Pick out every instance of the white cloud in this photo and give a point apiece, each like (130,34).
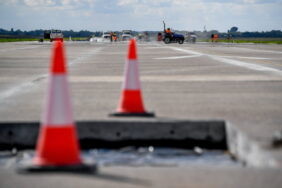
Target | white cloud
(127,2)
(36,3)
(46,3)
(144,14)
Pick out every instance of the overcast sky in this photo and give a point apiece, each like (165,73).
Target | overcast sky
(94,15)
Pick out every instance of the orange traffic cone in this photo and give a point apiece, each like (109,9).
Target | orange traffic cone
(131,103)
(57,143)
(57,146)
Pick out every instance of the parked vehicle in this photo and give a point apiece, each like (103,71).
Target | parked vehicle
(126,35)
(54,35)
(191,37)
(106,37)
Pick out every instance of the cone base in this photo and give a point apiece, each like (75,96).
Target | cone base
(127,114)
(79,168)
(131,102)
(57,146)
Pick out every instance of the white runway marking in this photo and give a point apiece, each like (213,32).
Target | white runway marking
(180,78)
(23,48)
(155,47)
(27,85)
(10,92)
(243,57)
(232,62)
(266,51)
(240,57)
(246,65)
(186,51)
(178,57)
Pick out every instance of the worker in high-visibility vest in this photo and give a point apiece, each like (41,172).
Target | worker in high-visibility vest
(115,37)
(215,37)
(168,31)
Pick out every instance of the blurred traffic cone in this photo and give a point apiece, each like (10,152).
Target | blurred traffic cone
(57,146)
(57,143)
(131,103)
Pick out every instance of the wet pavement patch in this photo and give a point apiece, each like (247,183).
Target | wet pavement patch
(156,156)
(136,156)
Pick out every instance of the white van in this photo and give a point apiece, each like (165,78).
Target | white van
(126,35)
(56,35)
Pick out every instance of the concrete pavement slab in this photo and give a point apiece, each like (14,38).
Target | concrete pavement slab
(205,82)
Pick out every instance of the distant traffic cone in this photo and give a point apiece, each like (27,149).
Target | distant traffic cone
(131,103)
(57,147)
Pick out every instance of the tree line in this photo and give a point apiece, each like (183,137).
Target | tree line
(85,33)
(267,34)
(40,33)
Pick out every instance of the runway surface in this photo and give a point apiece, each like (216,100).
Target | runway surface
(241,84)
(238,83)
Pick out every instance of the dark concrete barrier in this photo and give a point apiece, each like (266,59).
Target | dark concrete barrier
(116,134)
